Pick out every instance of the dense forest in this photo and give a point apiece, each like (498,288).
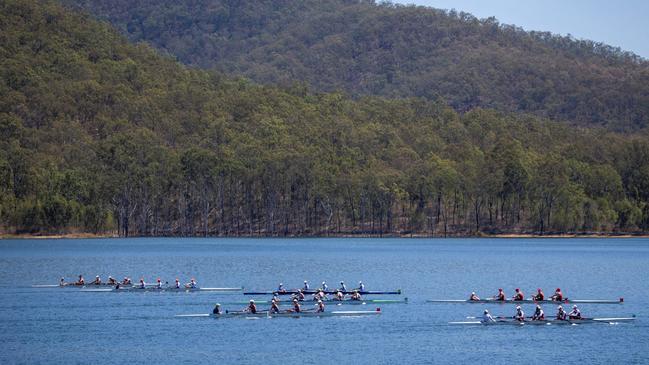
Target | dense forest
(364,48)
(100,135)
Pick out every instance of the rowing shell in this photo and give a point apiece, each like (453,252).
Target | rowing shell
(330,302)
(306,292)
(154,289)
(511,301)
(284,314)
(547,321)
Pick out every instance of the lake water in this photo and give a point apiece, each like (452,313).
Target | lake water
(66,326)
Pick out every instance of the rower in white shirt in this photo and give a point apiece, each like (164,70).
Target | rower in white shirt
(487,318)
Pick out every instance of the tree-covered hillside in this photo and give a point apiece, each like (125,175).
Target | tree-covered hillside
(395,51)
(98,135)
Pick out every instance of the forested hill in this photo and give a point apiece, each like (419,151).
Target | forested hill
(98,135)
(395,51)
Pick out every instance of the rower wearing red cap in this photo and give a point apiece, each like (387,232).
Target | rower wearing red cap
(558,295)
(518,295)
(539,295)
(177,283)
(142,284)
(158,284)
(191,284)
(500,296)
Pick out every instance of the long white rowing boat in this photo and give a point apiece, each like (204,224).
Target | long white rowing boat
(500,322)
(134,289)
(511,301)
(262,314)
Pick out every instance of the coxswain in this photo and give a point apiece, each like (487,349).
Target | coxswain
(62,282)
(111,280)
(158,284)
(81,281)
(97,280)
(252,308)
(306,285)
(142,284)
(177,284)
(191,284)
(575,313)
(343,287)
(320,307)
(500,296)
(473,297)
(561,314)
(520,315)
(356,295)
(361,287)
(538,314)
(539,295)
(280,288)
(296,306)
(217,309)
(274,308)
(518,296)
(339,295)
(126,281)
(558,295)
(324,286)
(487,318)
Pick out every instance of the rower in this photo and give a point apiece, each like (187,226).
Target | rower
(280,288)
(339,295)
(561,314)
(97,280)
(191,284)
(575,313)
(111,280)
(473,297)
(487,318)
(62,282)
(538,314)
(539,295)
(300,295)
(274,308)
(320,307)
(217,309)
(361,287)
(126,281)
(158,284)
(81,281)
(558,295)
(276,298)
(142,284)
(296,306)
(343,287)
(324,286)
(500,296)
(518,296)
(252,308)
(356,295)
(306,285)
(177,283)
(520,315)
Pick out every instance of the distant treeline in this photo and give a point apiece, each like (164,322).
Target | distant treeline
(102,136)
(376,48)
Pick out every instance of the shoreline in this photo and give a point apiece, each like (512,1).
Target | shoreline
(414,235)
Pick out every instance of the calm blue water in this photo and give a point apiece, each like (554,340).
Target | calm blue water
(65,326)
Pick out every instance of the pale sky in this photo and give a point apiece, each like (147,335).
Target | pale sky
(623,23)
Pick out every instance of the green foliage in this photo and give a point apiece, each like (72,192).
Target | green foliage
(393,50)
(99,135)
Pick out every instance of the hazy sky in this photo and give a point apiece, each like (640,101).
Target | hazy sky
(622,23)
